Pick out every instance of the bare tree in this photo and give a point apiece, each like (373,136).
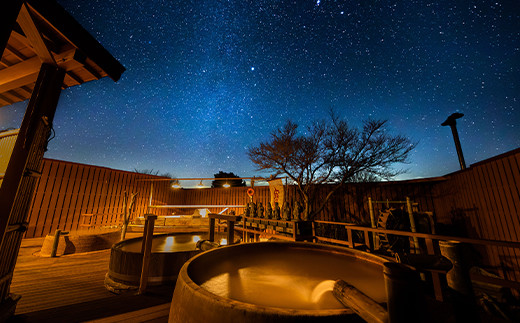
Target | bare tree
(331,152)
(128,209)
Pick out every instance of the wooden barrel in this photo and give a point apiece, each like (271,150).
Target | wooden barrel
(125,265)
(244,283)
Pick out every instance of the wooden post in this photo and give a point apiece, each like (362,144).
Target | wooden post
(405,301)
(40,111)
(372,221)
(150,200)
(145,229)
(367,240)
(55,243)
(349,237)
(231,232)
(412,224)
(437,288)
(459,281)
(211,229)
(17,190)
(150,218)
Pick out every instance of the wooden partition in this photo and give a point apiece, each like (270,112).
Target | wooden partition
(67,190)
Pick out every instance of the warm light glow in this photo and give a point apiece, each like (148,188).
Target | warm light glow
(196,239)
(176,185)
(226,185)
(200,185)
(223,242)
(168,243)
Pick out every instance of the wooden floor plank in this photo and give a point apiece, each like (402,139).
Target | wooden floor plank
(70,289)
(145,315)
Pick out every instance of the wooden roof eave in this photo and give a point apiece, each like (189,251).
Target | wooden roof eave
(69,28)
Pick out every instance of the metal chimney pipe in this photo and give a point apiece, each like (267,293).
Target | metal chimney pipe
(451,121)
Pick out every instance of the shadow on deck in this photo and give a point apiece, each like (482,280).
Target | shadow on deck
(70,289)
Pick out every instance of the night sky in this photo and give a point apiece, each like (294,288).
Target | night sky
(205,80)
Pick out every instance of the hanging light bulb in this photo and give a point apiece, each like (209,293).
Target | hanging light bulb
(226,185)
(200,185)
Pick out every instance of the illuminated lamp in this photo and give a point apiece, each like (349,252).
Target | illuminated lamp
(226,185)
(200,185)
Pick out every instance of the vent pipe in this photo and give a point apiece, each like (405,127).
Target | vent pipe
(451,121)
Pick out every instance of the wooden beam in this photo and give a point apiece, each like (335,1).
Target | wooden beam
(74,77)
(30,30)
(17,34)
(15,53)
(17,95)
(8,14)
(20,70)
(6,99)
(63,23)
(18,83)
(10,77)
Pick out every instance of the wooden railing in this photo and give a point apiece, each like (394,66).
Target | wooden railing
(431,242)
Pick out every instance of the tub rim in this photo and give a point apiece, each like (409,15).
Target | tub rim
(118,245)
(241,305)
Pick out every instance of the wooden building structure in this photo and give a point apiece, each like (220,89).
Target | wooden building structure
(43,50)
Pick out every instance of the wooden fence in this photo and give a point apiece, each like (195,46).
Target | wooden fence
(481,202)
(67,190)
(7,140)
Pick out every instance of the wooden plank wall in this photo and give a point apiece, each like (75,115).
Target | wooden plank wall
(484,202)
(348,205)
(7,141)
(66,190)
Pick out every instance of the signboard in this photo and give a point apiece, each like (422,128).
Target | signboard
(276,191)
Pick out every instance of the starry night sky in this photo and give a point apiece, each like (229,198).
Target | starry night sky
(206,79)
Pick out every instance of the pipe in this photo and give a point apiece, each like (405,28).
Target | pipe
(451,121)
(368,309)
(205,245)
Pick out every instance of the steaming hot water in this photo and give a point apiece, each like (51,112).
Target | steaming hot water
(302,279)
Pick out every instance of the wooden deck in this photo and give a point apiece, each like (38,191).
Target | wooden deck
(70,289)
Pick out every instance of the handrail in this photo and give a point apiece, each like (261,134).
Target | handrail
(429,238)
(499,243)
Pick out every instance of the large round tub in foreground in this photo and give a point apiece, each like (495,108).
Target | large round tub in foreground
(169,252)
(273,282)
